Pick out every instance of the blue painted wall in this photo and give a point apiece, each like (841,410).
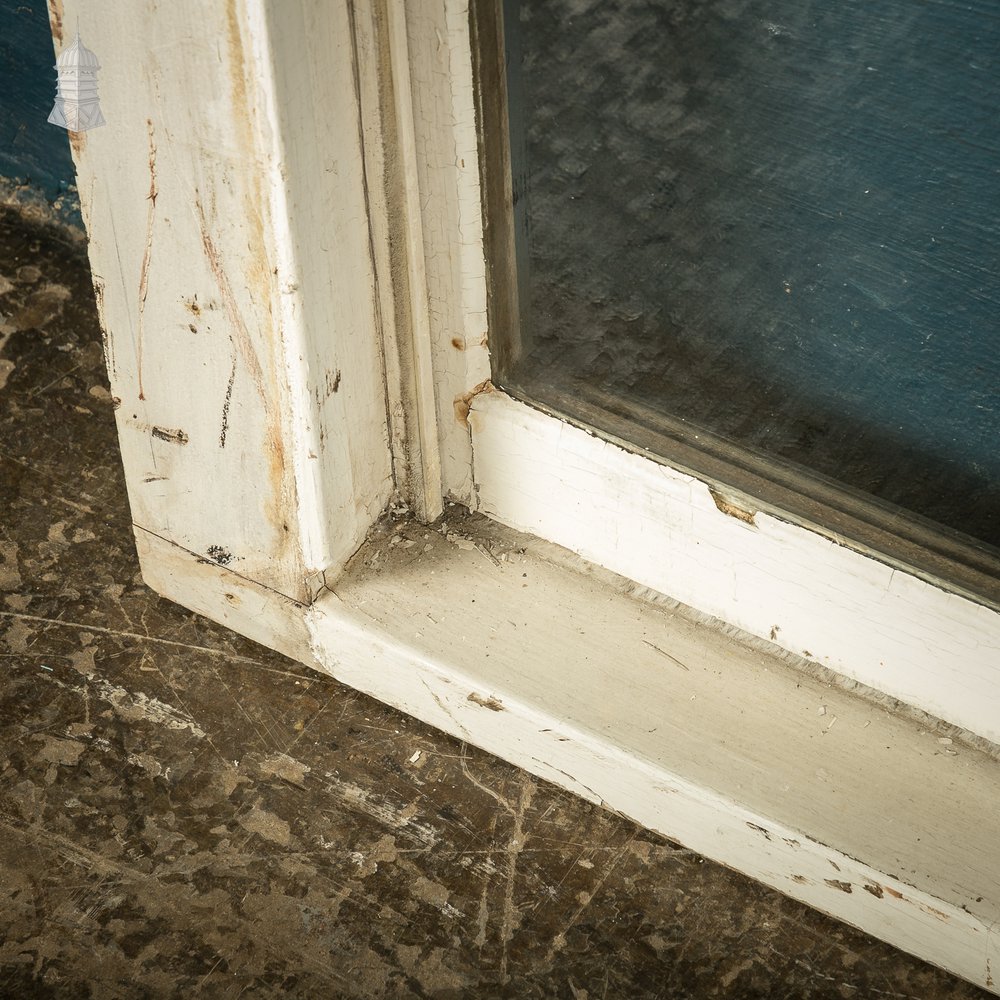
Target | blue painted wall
(31,150)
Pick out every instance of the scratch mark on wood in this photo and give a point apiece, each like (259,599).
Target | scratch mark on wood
(577,782)
(121,280)
(241,335)
(148,251)
(663,652)
(444,708)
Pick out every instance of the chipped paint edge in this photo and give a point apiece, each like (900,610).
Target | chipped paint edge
(894,632)
(341,641)
(846,611)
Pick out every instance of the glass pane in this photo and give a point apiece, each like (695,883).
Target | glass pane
(776,222)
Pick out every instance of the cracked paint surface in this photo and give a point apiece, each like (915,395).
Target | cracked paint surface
(183,811)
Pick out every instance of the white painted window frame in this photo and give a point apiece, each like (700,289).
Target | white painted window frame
(286,234)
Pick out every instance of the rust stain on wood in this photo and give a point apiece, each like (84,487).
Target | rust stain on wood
(463,402)
(257,272)
(244,348)
(241,336)
(934,912)
(78,143)
(458,343)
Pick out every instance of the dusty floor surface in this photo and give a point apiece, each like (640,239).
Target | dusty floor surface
(186,813)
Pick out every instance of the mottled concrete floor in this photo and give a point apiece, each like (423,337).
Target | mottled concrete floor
(186,813)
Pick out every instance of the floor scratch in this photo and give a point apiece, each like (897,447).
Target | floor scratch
(560,939)
(510,916)
(140,637)
(483,788)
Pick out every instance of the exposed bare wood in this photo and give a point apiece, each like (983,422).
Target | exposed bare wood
(236,286)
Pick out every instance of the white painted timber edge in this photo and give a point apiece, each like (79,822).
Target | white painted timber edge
(446,148)
(225,209)
(398,666)
(894,632)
